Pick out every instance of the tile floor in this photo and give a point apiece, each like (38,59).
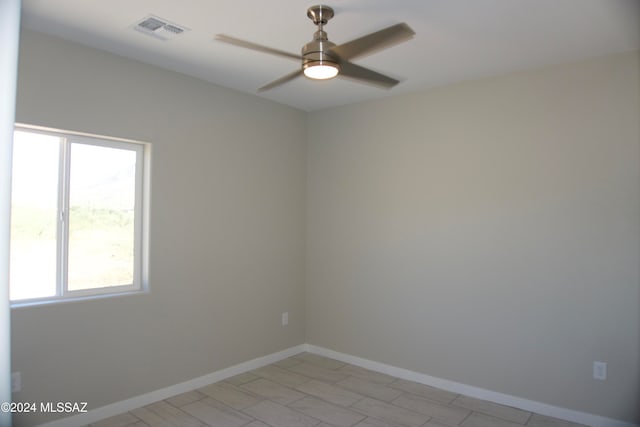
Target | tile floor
(311,390)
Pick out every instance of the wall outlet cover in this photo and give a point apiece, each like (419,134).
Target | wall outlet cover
(599,370)
(16,382)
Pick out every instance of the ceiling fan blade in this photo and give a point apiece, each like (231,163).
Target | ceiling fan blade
(254,46)
(365,75)
(281,80)
(375,41)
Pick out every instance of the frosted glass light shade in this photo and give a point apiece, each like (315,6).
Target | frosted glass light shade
(321,71)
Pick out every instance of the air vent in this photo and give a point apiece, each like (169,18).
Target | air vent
(159,28)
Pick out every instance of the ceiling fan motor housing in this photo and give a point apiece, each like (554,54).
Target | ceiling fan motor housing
(316,52)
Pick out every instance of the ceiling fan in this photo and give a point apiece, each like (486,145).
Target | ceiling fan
(322,59)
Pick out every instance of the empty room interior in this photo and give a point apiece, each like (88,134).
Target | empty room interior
(445,234)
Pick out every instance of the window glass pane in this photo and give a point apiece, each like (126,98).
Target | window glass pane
(34,215)
(101,217)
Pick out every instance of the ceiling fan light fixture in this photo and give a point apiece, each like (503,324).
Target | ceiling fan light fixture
(324,60)
(321,70)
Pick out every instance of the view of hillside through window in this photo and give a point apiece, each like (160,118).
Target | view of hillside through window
(72,218)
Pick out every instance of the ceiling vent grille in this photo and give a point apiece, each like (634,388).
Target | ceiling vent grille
(159,28)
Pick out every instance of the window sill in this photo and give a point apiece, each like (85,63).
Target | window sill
(50,301)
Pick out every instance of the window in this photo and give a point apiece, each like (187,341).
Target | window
(78,216)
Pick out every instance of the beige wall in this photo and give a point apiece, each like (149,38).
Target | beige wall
(227,229)
(487,233)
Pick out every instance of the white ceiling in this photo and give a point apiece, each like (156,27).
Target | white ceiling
(455,39)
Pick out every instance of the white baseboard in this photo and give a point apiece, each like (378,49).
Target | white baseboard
(479,393)
(467,390)
(145,399)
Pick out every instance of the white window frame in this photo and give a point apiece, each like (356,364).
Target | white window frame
(141,216)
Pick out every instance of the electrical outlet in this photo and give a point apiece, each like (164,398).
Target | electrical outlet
(285,318)
(16,382)
(599,370)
